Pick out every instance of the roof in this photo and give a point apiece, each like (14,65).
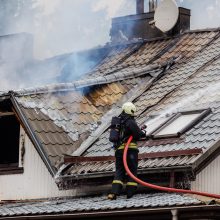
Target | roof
(99,203)
(196,70)
(72,118)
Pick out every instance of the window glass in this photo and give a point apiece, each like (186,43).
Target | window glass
(155,122)
(178,124)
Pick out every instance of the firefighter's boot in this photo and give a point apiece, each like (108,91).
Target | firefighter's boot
(112,196)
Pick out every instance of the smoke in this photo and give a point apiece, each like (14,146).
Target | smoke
(58,27)
(66,26)
(63,26)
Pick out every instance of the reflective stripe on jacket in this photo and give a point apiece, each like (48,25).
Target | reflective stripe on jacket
(131,146)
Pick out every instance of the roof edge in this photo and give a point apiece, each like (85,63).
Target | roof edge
(199,210)
(31,135)
(207,157)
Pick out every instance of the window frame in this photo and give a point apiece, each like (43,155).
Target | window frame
(203,113)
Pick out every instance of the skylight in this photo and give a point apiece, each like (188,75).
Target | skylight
(160,127)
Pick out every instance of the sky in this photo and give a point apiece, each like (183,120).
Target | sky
(63,26)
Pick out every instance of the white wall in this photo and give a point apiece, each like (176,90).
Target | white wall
(208,180)
(35,182)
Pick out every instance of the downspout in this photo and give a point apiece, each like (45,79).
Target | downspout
(31,135)
(174,214)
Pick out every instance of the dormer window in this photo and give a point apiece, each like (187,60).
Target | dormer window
(175,125)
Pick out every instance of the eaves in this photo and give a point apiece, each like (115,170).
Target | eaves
(90,178)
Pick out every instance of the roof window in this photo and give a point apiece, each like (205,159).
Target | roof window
(175,125)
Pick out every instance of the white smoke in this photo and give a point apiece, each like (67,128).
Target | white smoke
(64,26)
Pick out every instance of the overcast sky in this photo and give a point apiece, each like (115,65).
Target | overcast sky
(68,25)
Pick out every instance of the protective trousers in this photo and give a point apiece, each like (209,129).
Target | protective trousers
(120,173)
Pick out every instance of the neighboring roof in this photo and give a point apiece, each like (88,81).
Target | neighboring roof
(90,205)
(73,116)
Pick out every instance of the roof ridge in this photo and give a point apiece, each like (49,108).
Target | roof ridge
(118,76)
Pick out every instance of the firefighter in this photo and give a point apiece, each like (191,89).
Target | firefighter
(130,127)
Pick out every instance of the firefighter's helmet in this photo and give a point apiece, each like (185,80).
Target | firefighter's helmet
(129,108)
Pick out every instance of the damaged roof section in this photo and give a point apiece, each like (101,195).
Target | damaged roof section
(63,120)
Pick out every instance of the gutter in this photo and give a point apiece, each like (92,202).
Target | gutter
(110,174)
(145,171)
(158,213)
(32,135)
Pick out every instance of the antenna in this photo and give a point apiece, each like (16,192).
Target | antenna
(166,15)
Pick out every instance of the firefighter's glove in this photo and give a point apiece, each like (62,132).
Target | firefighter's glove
(143,127)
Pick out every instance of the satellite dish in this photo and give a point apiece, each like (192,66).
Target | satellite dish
(166,15)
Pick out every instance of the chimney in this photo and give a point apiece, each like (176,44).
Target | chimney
(133,27)
(152,5)
(139,6)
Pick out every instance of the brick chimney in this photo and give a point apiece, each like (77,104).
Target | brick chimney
(137,26)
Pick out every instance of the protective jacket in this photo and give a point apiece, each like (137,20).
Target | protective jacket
(131,128)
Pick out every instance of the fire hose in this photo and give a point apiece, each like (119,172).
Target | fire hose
(161,188)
